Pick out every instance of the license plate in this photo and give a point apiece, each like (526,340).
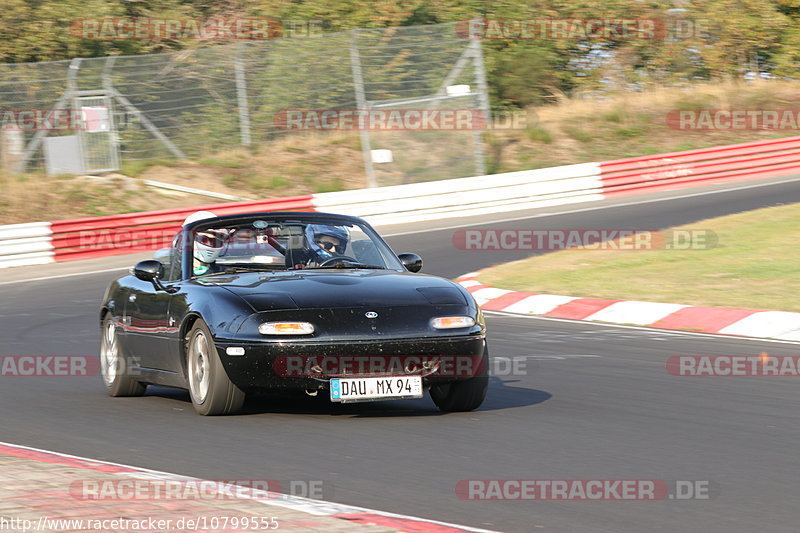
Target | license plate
(367,389)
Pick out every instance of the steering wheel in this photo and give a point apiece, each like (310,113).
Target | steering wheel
(339,258)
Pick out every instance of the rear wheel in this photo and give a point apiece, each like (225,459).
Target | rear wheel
(465,395)
(114,365)
(212,392)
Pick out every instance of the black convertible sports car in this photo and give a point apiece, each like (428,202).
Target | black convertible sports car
(291,300)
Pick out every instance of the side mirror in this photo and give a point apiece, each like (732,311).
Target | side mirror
(412,262)
(152,271)
(149,270)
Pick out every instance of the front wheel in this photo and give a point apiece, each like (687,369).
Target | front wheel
(114,366)
(212,392)
(465,395)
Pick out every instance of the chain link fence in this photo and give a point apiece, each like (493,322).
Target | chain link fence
(189,104)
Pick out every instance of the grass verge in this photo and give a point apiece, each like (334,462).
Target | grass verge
(753,266)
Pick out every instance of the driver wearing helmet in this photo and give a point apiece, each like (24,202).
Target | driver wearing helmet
(207,246)
(324,242)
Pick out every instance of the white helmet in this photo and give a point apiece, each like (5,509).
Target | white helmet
(207,244)
(199,215)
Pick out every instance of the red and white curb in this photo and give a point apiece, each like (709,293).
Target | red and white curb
(361,515)
(741,322)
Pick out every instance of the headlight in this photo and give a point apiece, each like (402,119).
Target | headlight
(286,328)
(452,322)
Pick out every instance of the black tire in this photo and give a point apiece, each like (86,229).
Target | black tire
(114,364)
(464,395)
(210,389)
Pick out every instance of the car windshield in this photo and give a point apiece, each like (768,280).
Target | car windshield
(264,244)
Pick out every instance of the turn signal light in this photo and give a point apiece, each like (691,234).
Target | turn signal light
(452,322)
(286,328)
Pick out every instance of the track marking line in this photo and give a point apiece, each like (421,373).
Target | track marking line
(44,278)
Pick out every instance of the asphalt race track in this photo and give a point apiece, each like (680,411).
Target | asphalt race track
(593,402)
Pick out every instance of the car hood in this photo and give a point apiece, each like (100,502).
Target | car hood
(338,288)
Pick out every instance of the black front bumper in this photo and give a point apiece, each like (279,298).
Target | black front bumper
(310,365)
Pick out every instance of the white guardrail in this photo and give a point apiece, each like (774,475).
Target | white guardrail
(479,195)
(26,244)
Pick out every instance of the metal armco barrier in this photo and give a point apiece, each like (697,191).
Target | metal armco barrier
(64,240)
(760,159)
(84,238)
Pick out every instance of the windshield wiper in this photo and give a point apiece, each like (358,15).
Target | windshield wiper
(239,267)
(350,264)
(233,268)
